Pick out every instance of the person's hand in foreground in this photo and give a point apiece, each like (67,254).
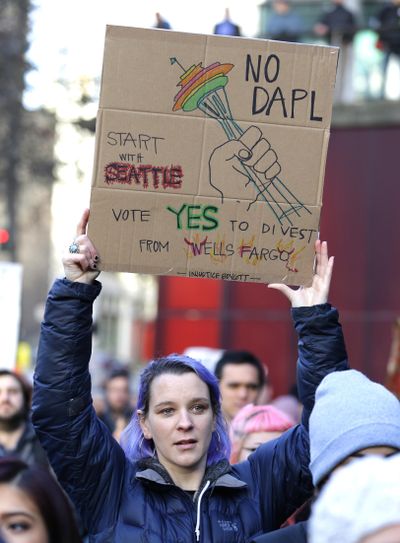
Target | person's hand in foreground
(318,292)
(81,266)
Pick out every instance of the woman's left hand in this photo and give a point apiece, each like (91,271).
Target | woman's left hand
(318,292)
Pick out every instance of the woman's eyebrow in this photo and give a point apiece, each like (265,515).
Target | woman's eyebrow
(166,402)
(172,402)
(17,513)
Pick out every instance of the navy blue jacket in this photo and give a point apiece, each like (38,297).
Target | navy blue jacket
(291,534)
(120,501)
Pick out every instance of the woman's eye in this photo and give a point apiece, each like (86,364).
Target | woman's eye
(18,527)
(167,411)
(199,408)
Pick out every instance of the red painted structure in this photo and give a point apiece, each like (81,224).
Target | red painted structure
(361,221)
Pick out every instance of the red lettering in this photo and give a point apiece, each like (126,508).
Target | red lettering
(244,249)
(146,175)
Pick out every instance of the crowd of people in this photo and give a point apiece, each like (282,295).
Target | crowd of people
(336,25)
(199,455)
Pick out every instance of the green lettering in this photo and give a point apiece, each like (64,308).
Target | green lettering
(206,214)
(191,217)
(178,214)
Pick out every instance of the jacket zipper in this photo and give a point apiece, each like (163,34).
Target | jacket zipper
(197,530)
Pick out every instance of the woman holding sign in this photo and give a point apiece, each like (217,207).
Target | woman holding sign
(171,482)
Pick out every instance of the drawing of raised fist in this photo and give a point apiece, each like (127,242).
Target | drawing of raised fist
(239,164)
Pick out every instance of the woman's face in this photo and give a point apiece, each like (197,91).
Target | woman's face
(390,534)
(20,519)
(180,421)
(254,440)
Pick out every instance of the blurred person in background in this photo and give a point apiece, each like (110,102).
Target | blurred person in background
(353,417)
(283,23)
(254,425)
(17,436)
(392,380)
(227,27)
(289,404)
(161,22)
(208,356)
(389,36)
(117,402)
(242,378)
(338,27)
(171,480)
(33,508)
(359,504)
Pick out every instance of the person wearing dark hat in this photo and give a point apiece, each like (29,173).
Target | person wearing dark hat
(353,417)
(388,20)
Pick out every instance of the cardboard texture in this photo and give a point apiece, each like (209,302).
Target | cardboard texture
(210,155)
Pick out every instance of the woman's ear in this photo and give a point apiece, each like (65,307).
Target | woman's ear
(143,424)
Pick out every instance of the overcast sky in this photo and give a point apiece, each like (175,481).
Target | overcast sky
(67,37)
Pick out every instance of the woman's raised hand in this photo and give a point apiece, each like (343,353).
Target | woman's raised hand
(318,292)
(81,265)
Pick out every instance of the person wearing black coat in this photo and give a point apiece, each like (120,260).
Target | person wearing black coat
(171,482)
(338,26)
(388,20)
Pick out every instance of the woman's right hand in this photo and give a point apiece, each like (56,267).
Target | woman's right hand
(82,266)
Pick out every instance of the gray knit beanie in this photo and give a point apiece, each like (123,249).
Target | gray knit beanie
(350,413)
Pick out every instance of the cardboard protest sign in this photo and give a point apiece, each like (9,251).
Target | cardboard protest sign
(210,155)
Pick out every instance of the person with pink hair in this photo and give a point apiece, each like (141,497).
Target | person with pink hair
(253,425)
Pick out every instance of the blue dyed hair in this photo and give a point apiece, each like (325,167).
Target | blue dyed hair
(136,446)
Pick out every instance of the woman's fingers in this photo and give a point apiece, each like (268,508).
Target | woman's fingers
(287,291)
(318,292)
(325,266)
(87,248)
(321,251)
(329,270)
(86,259)
(78,259)
(318,256)
(322,284)
(85,245)
(82,225)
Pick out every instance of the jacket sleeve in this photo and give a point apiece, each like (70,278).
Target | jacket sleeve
(291,534)
(88,462)
(321,350)
(279,469)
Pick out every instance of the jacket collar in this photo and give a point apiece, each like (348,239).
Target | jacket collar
(150,469)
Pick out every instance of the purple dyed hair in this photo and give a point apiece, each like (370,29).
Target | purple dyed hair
(132,439)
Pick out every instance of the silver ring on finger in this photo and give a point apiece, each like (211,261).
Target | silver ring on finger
(74,248)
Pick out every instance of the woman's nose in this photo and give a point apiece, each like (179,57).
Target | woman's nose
(185,421)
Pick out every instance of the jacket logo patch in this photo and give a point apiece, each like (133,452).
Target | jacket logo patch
(228,525)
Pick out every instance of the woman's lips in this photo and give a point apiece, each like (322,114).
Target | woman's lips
(186,444)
